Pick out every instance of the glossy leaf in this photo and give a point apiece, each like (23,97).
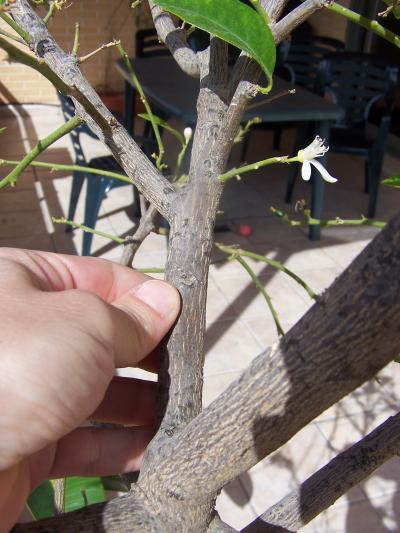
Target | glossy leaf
(41,501)
(83,491)
(163,124)
(393,181)
(232,21)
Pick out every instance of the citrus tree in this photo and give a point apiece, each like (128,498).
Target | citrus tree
(349,334)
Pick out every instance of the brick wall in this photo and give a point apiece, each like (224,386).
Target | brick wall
(101,21)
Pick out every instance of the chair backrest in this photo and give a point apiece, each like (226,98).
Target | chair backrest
(68,110)
(301,60)
(357,82)
(148,45)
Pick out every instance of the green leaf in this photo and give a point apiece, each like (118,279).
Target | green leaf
(41,501)
(232,21)
(82,491)
(393,181)
(163,124)
(2,129)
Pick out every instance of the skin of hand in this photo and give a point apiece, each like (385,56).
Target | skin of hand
(67,323)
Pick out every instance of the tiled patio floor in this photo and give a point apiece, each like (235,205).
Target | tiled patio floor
(239,326)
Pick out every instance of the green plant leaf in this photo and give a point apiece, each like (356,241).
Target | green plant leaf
(163,124)
(82,491)
(393,181)
(232,21)
(41,501)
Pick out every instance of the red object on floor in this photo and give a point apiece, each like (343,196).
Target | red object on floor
(245,230)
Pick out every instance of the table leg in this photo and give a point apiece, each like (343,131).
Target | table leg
(318,185)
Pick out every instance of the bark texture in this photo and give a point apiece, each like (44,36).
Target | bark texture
(323,488)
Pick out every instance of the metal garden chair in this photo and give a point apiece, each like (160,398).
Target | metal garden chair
(358,83)
(97,186)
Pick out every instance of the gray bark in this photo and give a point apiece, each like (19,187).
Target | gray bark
(323,488)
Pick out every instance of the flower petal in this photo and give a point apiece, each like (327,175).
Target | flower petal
(306,170)
(324,173)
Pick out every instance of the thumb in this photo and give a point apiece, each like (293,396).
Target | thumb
(148,312)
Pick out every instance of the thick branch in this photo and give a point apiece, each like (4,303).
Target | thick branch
(296,17)
(343,340)
(323,488)
(175,39)
(274,8)
(89,107)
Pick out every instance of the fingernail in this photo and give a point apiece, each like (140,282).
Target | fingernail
(158,295)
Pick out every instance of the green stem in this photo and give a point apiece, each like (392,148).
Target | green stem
(39,148)
(179,160)
(143,98)
(366,23)
(73,168)
(151,270)
(261,288)
(11,36)
(328,223)
(255,166)
(50,13)
(272,262)
(11,22)
(77,36)
(73,224)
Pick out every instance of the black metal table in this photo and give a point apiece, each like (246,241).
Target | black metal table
(174,93)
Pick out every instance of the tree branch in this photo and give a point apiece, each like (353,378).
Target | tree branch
(274,8)
(343,340)
(175,39)
(132,244)
(89,107)
(323,488)
(284,27)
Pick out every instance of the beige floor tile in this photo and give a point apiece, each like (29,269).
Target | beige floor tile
(344,254)
(218,307)
(229,347)
(214,385)
(388,507)
(249,303)
(233,506)
(357,517)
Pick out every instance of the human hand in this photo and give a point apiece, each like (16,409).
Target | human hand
(66,324)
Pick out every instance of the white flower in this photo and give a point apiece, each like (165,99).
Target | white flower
(307,157)
(187,133)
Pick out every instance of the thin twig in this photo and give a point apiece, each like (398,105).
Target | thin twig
(99,49)
(72,168)
(272,262)
(255,166)
(263,291)
(66,128)
(371,25)
(77,35)
(73,224)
